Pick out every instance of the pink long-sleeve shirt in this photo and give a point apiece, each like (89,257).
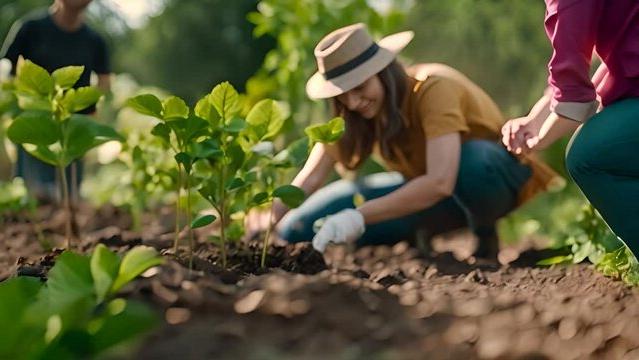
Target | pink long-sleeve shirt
(576,28)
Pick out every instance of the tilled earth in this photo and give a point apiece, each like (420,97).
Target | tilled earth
(371,303)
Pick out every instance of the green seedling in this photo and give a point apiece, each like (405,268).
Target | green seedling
(180,129)
(236,171)
(76,313)
(270,173)
(291,157)
(590,238)
(49,128)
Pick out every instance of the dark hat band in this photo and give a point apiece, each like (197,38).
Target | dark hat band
(353,63)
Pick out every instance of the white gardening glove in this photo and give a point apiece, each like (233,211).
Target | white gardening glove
(344,226)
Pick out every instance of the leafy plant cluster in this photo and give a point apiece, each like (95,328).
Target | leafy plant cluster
(590,238)
(49,126)
(228,158)
(76,313)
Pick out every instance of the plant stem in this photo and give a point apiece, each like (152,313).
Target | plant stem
(66,204)
(223,233)
(268,234)
(177,211)
(222,197)
(188,218)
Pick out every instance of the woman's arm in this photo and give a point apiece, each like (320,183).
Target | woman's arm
(442,164)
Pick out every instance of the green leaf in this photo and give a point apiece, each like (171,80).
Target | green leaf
(33,102)
(235,184)
(33,79)
(208,190)
(584,250)
(185,160)
(82,134)
(34,127)
(67,76)
(202,221)
(104,269)
(265,120)
(70,281)
(294,155)
(326,133)
(561,259)
(75,100)
(235,126)
(163,131)
(16,296)
(124,320)
(205,110)
(207,149)
(236,155)
(146,104)
(134,263)
(175,107)
(225,100)
(43,153)
(188,129)
(291,195)
(261,198)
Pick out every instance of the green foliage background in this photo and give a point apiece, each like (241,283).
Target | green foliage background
(192,44)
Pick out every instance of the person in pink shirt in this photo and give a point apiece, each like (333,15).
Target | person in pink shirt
(602,111)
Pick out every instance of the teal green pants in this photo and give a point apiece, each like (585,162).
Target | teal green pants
(603,159)
(488,183)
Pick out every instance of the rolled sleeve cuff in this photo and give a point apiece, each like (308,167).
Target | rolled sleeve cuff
(577,111)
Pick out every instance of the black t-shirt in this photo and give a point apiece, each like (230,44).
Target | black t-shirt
(40,40)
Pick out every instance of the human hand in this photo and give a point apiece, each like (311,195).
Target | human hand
(520,135)
(344,226)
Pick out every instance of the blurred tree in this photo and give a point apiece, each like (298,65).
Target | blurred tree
(500,44)
(193,44)
(12,10)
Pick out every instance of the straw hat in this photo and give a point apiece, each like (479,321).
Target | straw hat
(348,56)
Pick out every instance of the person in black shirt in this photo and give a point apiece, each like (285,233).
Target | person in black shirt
(53,39)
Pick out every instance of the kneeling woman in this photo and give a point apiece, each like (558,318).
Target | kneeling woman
(430,125)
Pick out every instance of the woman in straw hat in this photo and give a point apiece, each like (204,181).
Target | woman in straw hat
(430,125)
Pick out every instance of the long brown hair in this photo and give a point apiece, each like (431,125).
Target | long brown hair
(356,145)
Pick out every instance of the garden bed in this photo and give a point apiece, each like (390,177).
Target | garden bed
(377,302)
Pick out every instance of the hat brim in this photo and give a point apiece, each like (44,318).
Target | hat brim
(317,87)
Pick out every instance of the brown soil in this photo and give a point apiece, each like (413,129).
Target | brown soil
(373,303)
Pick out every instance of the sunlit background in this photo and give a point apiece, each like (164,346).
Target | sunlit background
(264,48)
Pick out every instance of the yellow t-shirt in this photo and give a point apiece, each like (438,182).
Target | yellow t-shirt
(440,100)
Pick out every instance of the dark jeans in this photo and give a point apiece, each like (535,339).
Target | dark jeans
(487,186)
(603,159)
(40,177)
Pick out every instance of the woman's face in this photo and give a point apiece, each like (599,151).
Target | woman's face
(366,99)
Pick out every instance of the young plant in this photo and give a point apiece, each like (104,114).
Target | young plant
(270,170)
(589,237)
(49,127)
(180,129)
(232,168)
(76,313)
(240,172)
(291,157)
